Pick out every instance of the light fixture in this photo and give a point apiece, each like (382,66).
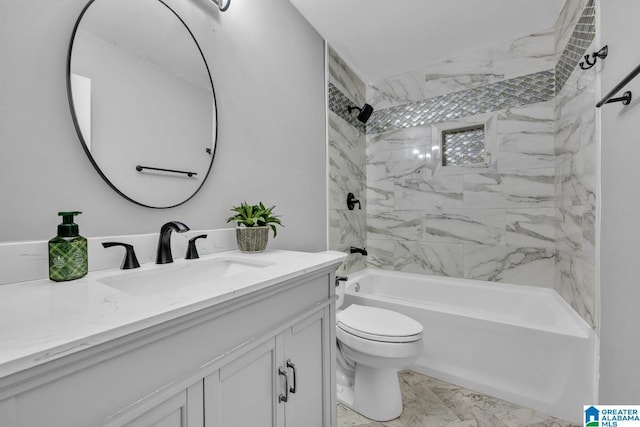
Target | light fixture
(222,4)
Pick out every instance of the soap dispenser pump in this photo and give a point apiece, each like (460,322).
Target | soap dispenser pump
(67,251)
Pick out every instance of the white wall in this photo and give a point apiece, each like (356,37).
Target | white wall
(620,229)
(268,70)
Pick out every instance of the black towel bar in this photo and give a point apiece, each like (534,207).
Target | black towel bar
(189,174)
(626,98)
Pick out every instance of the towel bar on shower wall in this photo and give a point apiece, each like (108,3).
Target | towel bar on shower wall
(626,97)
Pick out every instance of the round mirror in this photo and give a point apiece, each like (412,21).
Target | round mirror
(142,100)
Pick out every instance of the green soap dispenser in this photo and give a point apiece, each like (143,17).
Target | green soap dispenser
(67,251)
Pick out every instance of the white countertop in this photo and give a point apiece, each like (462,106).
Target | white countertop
(42,320)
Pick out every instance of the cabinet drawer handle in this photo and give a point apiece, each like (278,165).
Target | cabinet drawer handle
(295,375)
(284,397)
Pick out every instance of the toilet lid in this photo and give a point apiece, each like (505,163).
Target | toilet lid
(378,324)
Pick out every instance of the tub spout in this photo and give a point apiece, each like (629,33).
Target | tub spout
(355,250)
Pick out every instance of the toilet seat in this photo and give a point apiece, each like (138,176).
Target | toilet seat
(378,324)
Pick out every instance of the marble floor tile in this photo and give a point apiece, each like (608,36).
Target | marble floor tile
(429,402)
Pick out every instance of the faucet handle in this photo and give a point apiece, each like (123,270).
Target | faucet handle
(192,251)
(130,260)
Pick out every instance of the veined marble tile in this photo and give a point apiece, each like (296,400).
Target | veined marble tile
(528,129)
(523,121)
(475,226)
(381,195)
(525,138)
(418,136)
(397,164)
(432,403)
(511,162)
(346,228)
(422,407)
(434,192)
(563,175)
(530,54)
(575,182)
(524,189)
(348,418)
(525,416)
(353,263)
(582,35)
(510,264)
(465,423)
(430,258)
(482,418)
(531,227)
(396,225)
(460,73)
(566,22)
(397,90)
(589,234)
(344,78)
(463,401)
(575,282)
(575,118)
(465,72)
(346,149)
(381,253)
(569,232)
(340,186)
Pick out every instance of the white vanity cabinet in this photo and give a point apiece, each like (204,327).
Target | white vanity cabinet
(217,365)
(286,381)
(180,410)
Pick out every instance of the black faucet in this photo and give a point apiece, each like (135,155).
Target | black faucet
(355,250)
(164,243)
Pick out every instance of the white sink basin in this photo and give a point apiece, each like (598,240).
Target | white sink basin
(170,277)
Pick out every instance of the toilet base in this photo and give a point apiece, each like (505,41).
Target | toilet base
(375,393)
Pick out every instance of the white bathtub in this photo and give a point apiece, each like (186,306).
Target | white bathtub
(519,343)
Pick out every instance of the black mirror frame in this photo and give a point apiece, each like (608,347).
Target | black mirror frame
(77,125)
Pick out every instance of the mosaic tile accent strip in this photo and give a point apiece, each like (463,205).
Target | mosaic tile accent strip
(339,104)
(463,146)
(583,34)
(523,90)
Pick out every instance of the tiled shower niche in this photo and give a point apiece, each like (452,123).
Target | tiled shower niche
(463,146)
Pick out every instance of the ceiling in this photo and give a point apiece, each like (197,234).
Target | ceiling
(381,38)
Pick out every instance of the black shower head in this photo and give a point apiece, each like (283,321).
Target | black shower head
(365,112)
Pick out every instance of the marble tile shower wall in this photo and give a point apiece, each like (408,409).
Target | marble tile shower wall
(347,163)
(496,223)
(528,218)
(575,150)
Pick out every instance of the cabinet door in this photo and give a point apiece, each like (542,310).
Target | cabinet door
(305,349)
(243,393)
(183,409)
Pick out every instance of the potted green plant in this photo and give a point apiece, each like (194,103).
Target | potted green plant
(253,223)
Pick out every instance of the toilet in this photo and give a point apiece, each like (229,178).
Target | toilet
(373,344)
